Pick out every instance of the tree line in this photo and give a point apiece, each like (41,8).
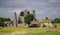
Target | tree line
(3,19)
(56,20)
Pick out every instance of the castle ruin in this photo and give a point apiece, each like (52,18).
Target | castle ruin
(24,13)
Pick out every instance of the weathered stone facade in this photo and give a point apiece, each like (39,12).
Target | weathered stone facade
(47,22)
(15,20)
(7,24)
(22,15)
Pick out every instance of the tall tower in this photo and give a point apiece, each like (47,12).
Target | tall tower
(33,12)
(15,20)
(23,14)
(26,12)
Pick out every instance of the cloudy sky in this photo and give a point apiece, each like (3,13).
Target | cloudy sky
(43,8)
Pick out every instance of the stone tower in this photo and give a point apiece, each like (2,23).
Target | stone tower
(15,20)
(26,12)
(33,12)
(23,14)
(21,17)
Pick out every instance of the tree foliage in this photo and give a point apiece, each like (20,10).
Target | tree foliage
(28,19)
(2,20)
(47,18)
(56,20)
(7,19)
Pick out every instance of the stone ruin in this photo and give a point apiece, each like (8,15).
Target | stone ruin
(20,22)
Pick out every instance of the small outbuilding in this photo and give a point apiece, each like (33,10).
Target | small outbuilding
(46,23)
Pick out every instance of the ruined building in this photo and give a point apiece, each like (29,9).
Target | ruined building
(20,22)
(23,14)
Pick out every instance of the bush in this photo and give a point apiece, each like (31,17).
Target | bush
(28,19)
(44,25)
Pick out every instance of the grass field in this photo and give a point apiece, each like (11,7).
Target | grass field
(30,30)
(10,30)
(42,33)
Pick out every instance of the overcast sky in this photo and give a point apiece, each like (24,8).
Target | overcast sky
(43,8)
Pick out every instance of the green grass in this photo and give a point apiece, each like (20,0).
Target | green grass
(42,33)
(11,30)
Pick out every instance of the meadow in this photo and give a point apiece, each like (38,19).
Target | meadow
(42,33)
(31,31)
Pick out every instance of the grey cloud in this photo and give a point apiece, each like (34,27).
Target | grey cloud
(54,1)
(49,8)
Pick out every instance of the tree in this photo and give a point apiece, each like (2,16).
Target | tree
(56,20)
(1,21)
(8,19)
(47,18)
(28,19)
(5,19)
